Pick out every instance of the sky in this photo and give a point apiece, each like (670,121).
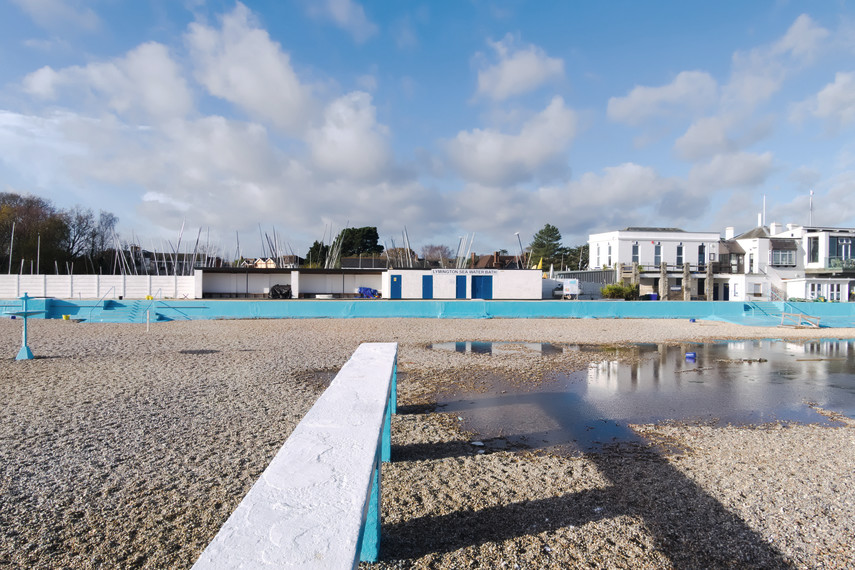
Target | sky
(442,118)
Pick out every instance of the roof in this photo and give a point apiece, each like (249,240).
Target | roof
(758,232)
(730,246)
(783,243)
(640,229)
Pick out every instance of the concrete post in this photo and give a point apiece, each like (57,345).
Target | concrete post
(619,273)
(663,281)
(636,274)
(687,283)
(708,286)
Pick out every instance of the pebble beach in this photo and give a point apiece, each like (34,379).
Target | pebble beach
(121,448)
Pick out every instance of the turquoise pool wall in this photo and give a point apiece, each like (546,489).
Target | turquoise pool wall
(753,313)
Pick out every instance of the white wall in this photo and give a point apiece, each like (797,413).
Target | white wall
(621,243)
(101,286)
(510,284)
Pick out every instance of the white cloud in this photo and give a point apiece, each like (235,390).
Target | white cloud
(692,90)
(491,157)
(241,64)
(736,170)
(760,73)
(519,70)
(145,79)
(60,14)
(347,15)
(350,142)
(836,101)
(706,137)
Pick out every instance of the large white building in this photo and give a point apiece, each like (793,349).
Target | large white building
(774,262)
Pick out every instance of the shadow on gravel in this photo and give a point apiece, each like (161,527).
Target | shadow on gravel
(415,409)
(688,525)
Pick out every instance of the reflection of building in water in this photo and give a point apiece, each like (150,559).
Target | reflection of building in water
(509,348)
(732,366)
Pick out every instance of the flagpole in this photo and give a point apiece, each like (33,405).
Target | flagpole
(810,223)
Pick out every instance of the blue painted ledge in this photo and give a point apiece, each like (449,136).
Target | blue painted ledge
(748,313)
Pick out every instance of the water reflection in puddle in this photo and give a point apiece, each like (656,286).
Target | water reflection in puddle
(745,382)
(480,347)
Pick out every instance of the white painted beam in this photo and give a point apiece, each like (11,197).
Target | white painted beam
(310,504)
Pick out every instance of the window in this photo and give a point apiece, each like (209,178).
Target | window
(597,264)
(702,255)
(815,290)
(783,257)
(813,249)
(834,292)
(609,263)
(635,252)
(657,254)
(840,248)
(680,254)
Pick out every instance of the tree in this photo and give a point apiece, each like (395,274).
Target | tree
(441,253)
(317,255)
(401,257)
(546,245)
(39,231)
(575,258)
(359,240)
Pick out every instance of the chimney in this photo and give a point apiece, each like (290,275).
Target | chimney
(775,228)
(729,232)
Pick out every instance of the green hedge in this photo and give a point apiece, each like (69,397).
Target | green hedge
(620,291)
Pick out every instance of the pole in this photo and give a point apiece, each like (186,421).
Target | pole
(810,223)
(11,243)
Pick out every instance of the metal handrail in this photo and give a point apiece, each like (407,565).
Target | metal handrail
(153,300)
(104,296)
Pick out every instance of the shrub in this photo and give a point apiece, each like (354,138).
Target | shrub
(620,291)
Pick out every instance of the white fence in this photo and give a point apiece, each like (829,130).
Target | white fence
(98,286)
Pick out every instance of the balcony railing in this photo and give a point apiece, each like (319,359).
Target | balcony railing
(670,268)
(840,263)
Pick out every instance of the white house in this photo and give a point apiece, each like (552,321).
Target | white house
(766,263)
(800,262)
(666,262)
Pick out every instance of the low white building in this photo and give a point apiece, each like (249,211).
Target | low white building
(462,284)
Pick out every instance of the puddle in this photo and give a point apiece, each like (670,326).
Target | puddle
(739,383)
(479,347)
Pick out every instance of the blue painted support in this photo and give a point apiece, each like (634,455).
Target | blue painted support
(394,397)
(386,438)
(369,550)
(370,536)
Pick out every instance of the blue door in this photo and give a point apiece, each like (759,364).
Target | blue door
(482,286)
(427,286)
(725,291)
(461,287)
(396,287)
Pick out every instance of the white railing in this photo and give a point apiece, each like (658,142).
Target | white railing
(317,505)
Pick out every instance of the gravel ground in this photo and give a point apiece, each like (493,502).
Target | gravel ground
(126,449)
